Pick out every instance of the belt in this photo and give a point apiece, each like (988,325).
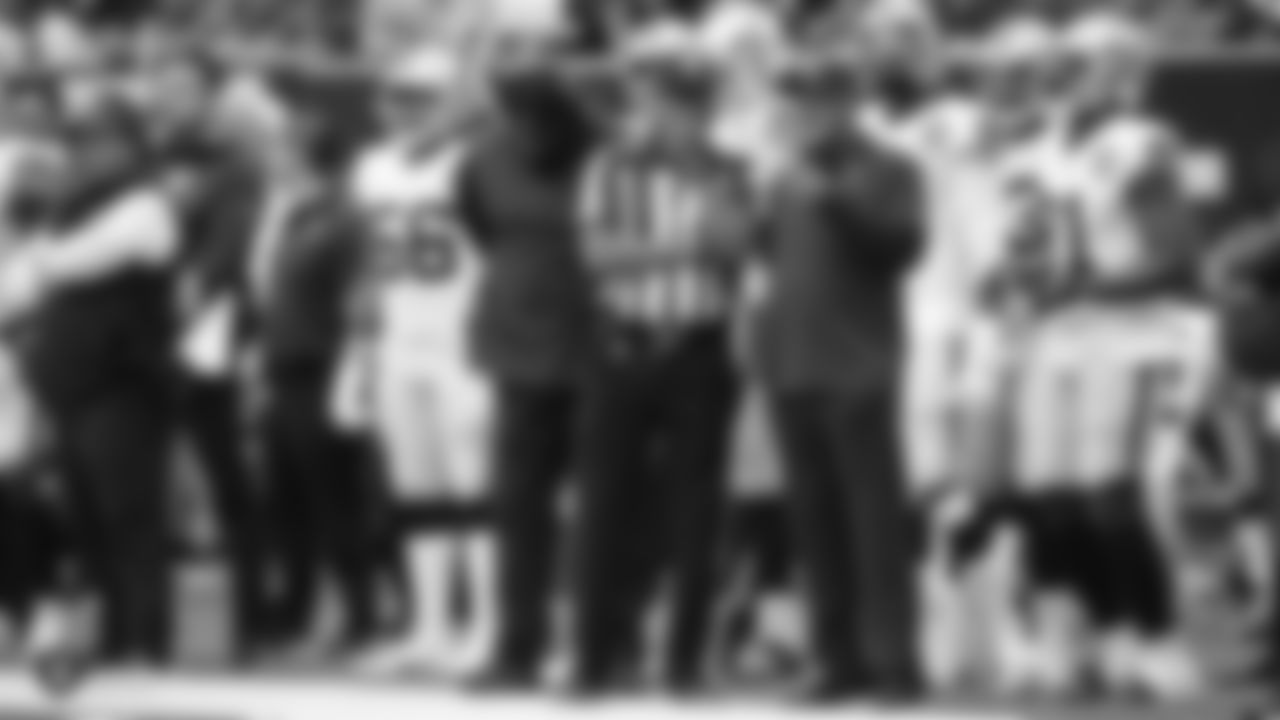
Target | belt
(631,340)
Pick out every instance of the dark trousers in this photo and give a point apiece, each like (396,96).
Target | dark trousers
(533,447)
(1270,491)
(654,441)
(1133,586)
(317,504)
(854,532)
(114,452)
(33,549)
(1096,544)
(215,428)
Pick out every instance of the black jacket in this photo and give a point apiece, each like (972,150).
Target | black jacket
(303,318)
(839,254)
(108,335)
(533,315)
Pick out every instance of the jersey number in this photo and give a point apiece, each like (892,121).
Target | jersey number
(1049,246)
(424,248)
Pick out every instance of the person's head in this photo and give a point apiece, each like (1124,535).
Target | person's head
(179,88)
(671,87)
(250,119)
(41,183)
(31,104)
(820,98)
(108,143)
(746,37)
(542,117)
(421,99)
(1111,56)
(1021,65)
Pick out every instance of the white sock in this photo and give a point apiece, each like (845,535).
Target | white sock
(1167,669)
(475,638)
(431,577)
(1118,658)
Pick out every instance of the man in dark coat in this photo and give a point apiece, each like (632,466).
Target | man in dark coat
(529,334)
(302,267)
(841,235)
(222,195)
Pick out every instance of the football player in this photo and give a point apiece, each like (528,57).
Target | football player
(1001,256)
(1125,368)
(430,407)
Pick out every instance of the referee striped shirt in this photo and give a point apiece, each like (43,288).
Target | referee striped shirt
(665,234)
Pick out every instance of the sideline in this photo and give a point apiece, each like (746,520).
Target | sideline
(177,697)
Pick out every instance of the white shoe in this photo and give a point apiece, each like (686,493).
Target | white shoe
(1018,664)
(945,637)
(52,630)
(1056,644)
(1117,660)
(399,659)
(472,655)
(56,647)
(1167,671)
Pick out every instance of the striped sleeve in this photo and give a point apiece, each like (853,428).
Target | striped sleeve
(593,204)
(611,210)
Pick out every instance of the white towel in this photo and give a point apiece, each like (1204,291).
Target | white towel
(351,395)
(207,346)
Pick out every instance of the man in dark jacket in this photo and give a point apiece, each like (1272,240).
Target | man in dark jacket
(841,235)
(530,334)
(301,269)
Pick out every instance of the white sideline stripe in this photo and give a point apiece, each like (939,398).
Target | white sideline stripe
(123,697)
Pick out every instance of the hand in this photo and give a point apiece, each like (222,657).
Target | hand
(252,378)
(22,279)
(351,398)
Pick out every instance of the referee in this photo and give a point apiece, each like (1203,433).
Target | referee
(664,241)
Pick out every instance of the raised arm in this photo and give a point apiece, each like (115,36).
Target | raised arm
(140,231)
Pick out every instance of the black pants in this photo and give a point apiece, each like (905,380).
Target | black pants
(854,532)
(114,453)
(1094,543)
(532,454)
(654,441)
(1270,467)
(215,427)
(1134,587)
(317,505)
(33,547)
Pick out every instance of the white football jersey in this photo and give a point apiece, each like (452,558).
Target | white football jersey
(942,138)
(429,269)
(984,194)
(1111,160)
(1035,221)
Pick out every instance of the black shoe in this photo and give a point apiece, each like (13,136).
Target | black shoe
(506,678)
(589,687)
(599,684)
(828,689)
(684,684)
(897,692)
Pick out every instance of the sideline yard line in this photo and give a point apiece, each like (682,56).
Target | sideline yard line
(136,697)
